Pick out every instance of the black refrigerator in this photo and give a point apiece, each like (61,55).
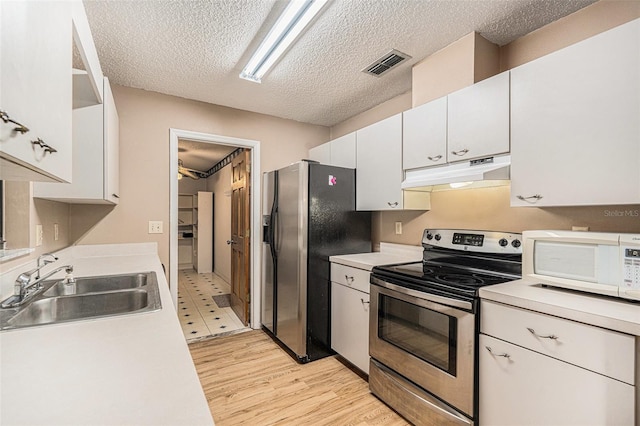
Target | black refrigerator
(308,215)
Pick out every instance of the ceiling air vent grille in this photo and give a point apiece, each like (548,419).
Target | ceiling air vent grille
(386,62)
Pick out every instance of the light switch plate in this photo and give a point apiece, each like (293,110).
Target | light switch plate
(155,227)
(398,228)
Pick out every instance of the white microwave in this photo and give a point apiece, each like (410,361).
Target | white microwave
(596,262)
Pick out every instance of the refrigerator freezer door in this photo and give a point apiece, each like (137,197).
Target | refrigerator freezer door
(268,265)
(334,228)
(291,306)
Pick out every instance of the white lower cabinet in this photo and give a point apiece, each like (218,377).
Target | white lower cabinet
(522,387)
(350,318)
(536,369)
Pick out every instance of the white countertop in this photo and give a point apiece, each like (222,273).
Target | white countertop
(129,369)
(389,253)
(614,314)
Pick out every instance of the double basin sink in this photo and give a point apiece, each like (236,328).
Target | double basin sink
(88,297)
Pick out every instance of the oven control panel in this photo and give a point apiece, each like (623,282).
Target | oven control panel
(479,241)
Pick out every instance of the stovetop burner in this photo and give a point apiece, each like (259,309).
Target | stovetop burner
(458,264)
(459,279)
(423,277)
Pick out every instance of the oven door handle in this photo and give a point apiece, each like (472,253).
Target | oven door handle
(462,304)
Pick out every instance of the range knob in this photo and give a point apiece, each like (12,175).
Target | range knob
(516,243)
(429,236)
(438,237)
(503,242)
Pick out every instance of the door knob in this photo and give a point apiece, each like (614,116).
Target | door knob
(230,242)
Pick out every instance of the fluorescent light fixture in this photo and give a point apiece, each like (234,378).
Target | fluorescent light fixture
(290,24)
(456,185)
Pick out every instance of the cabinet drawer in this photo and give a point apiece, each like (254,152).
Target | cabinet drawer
(351,277)
(521,387)
(603,351)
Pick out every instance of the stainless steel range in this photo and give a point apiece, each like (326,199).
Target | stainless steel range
(423,327)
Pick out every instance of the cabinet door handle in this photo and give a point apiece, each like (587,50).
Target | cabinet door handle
(436,158)
(115,195)
(393,205)
(460,153)
(531,199)
(21,127)
(550,336)
(364,302)
(43,144)
(504,355)
(349,279)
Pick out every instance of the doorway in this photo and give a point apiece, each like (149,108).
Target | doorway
(252,258)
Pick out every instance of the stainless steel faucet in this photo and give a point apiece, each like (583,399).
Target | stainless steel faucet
(23,284)
(42,260)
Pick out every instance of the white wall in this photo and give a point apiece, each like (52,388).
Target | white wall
(145,121)
(220,185)
(191,186)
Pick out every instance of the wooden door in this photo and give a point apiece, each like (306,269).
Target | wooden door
(240,235)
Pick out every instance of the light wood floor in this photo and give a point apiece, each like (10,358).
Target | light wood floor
(249,380)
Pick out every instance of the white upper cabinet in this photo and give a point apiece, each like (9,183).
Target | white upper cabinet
(321,153)
(379,165)
(35,90)
(112,146)
(96,156)
(478,120)
(343,151)
(379,169)
(575,127)
(84,42)
(424,135)
(339,152)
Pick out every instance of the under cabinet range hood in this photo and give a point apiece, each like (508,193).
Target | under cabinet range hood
(490,171)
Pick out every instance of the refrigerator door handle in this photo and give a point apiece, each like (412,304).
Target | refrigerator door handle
(274,217)
(272,234)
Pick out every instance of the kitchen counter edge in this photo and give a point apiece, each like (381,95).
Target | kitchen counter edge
(128,369)
(610,313)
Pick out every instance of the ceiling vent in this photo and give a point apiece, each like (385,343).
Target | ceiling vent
(385,63)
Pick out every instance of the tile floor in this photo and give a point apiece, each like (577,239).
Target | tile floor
(200,316)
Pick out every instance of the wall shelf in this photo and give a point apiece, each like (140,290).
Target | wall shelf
(195,216)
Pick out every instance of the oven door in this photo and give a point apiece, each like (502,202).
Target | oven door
(429,343)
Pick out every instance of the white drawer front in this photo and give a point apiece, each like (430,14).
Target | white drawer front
(351,277)
(603,351)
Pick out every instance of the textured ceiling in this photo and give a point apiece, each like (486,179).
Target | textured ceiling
(202,156)
(195,49)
